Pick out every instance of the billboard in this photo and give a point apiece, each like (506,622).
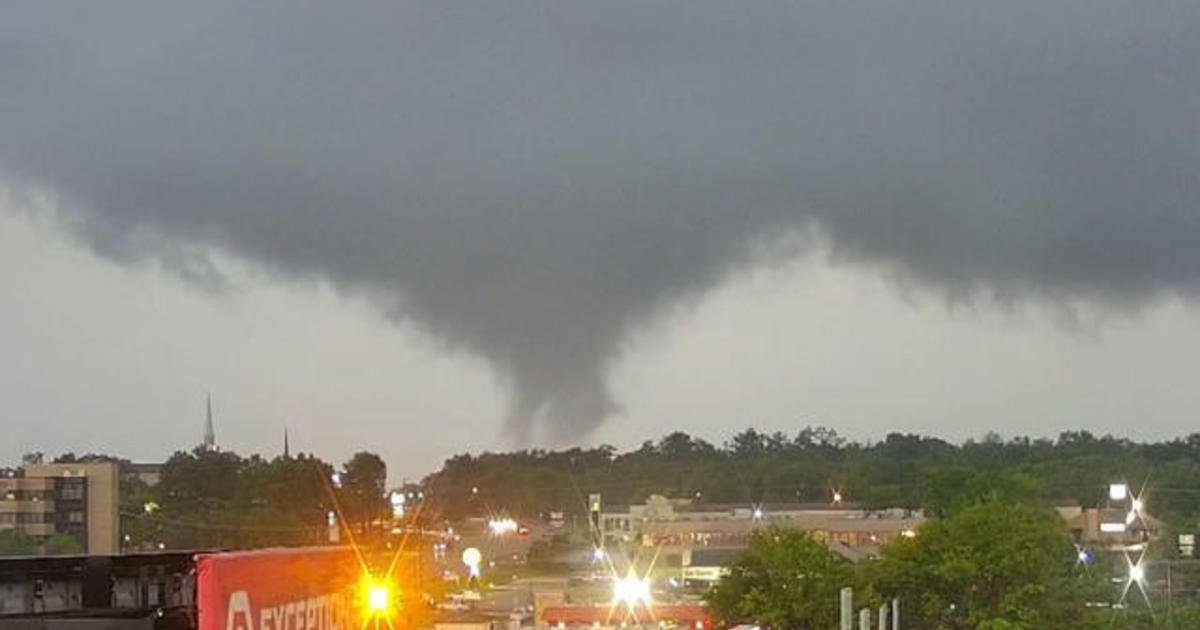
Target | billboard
(278,589)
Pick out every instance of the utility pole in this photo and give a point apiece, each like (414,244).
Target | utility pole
(847,609)
(1169,563)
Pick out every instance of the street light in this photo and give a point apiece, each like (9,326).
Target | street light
(377,598)
(472,557)
(1137,574)
(631,590)
(501,526)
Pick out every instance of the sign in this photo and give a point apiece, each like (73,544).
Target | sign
(704,574)
(277,589)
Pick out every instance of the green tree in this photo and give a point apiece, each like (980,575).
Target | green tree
(217,499)
(16,543)
(785,579)
(1185,617)
(364,485)
(995,564)
(61,545)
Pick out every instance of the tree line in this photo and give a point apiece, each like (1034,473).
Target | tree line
(901,470)
(213,499)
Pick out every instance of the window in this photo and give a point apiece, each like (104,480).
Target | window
(75,517)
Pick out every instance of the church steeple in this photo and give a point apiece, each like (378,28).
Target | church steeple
(210,435)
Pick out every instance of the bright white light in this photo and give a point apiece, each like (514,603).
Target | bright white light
(397,499)
(336,478)
(1112,528)
(837,496)
(472,557)
(1136,505)
(597,554)
(331,517)
(758,514)
(630,590)
(501,526)
(1130,517)
(1118,491)
(908,533)
(1137,573)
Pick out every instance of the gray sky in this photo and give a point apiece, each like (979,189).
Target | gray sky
(432,227)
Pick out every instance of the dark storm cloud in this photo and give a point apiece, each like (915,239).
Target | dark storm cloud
(529,180)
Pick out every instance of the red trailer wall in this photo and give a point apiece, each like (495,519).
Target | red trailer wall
(277,589)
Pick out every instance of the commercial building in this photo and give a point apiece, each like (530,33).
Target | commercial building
(1110,527)
(148,473)
(695,540)
(77,499)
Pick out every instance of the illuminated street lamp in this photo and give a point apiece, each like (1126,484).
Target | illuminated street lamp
(472,557)
(1137,574)
(377,598)
(501,526)
(631,590)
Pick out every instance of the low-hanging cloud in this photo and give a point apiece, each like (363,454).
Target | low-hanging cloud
(529,180)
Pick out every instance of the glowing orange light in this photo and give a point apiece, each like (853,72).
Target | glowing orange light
(377,598)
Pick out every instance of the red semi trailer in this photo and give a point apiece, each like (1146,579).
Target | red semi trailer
(279,589)
(316,588)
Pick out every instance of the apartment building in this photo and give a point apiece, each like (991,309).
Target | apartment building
(77,499)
